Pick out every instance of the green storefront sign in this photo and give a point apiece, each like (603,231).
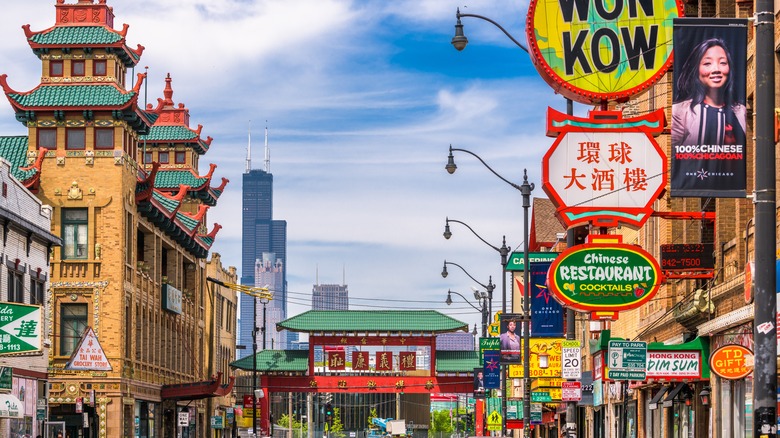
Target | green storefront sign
(516,261)
(20,328)
(604,277)
(488,344)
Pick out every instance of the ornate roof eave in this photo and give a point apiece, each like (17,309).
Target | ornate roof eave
(34,181)
(128,111)
(145,183)
(157,214)
(130,57)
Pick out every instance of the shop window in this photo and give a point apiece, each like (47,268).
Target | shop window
(77,68)
(37,292)
(76,139)
(98,68)
(104,138)
(55,68)
(74,233)
(73,321)
(181,157)
(47,138)
(162,157)
(15,286)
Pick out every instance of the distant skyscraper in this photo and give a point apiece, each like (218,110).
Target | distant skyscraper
(330,297)
(260,234)
(269,272)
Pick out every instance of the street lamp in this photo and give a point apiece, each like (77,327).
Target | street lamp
(488,287)
(525,190)
(481,297)
(459,41)
(265,296)
(503,252)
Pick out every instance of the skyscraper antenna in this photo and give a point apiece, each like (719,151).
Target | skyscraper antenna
(249,148)
(267,150)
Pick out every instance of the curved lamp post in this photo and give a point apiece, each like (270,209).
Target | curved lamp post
(503,252)
(265,296)
(488,287)
(525,190)
(459,41)
(481,298)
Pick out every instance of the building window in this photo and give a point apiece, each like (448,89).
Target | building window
(55,68)
(73,321)
(47,138)
(76,139)
(148,158)
(15,286)
(74,233)
(37,293)
(181,157)
(104,138)
(162,157)
(77,68)
(98,68)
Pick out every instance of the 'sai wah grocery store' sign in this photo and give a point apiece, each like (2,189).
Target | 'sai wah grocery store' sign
(604,277)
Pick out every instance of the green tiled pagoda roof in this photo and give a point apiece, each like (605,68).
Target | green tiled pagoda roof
(170,133)
(373,321)
(298,361)
(14,149)
(62,35)
(170,179)
(456,361)
(187,221)
(276,360)
(167,203)
(73,96)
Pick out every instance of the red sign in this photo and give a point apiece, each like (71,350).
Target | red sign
(571,391)
(360,360)
(248,401)
(604,169)
(337,360)
(598,366)
(407,361)
(384,361)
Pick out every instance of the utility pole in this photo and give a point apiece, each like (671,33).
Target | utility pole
(765,307)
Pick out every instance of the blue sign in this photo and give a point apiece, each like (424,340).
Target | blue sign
(546,312)
(492,368)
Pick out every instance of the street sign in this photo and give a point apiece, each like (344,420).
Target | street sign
(536,413)
(20,328)
(572,360)
(184,419)
(571,391)
(627,360)
(516,261)
(494,421)
(541,397)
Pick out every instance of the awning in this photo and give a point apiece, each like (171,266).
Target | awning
(657,397)
(11,407)
(198,390)
(669,400)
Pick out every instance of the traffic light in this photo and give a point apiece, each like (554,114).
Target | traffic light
(328,412)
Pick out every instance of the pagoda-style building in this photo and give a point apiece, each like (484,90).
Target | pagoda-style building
(129,312)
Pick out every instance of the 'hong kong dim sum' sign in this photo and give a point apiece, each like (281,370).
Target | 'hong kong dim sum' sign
(598,50)
(604,169)
(604,277)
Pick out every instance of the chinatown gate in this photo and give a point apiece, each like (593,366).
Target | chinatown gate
(382,352)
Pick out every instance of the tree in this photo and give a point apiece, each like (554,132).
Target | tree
(371,415)
(296,426)
(336,427)
(441,421)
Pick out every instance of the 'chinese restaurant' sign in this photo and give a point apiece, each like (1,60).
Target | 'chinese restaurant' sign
(596,50)
(732,362)
(604,276)
(673,365)
(604,169)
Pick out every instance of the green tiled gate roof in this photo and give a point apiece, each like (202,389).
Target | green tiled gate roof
(298,361)
(73,96)
(373,321)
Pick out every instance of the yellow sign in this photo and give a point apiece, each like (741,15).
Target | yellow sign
(546,383)
(494,329)
(494,421)
(540,347)
(598,50)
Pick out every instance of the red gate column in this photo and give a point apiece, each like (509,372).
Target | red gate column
(265,405)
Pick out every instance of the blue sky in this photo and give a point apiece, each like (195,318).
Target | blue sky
(362,100)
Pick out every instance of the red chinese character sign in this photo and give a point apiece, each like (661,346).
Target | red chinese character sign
(604,169)
(384,361)
(336,360)
(407,361)
(360,360)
